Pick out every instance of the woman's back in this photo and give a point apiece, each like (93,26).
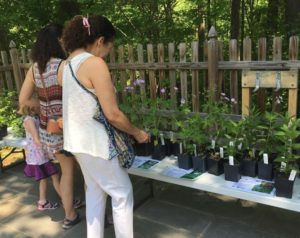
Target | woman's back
(49,92)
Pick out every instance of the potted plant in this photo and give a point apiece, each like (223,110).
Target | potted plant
(286,161)
(133,105)
(232,165)
(248,134)
(184,158)
(268,144)
(215,125)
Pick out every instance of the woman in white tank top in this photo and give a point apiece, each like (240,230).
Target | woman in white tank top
(89,40)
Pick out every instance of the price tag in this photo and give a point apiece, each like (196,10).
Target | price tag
(292,175)
(180,147)
(283,165)
(231,160)
(195,149)
(213,144)
(266,158)
(221,152)
(162,139)
(231,143)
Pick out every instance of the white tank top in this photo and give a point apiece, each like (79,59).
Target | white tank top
(82,134)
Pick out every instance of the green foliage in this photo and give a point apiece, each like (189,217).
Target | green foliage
(8,112)
(287,134)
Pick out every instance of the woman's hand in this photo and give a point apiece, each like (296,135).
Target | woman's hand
(142,136)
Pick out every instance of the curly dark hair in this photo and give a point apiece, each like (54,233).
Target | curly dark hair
(47,45)
(76,35)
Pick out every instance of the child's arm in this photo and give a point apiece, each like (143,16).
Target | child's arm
(29,126)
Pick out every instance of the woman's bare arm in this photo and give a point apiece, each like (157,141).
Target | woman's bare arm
(100,77)
(27,89)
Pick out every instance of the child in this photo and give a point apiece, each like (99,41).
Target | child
(37,165)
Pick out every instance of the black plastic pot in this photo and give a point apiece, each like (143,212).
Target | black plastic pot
(249,167)
(185,161)
(199,163)
(144,149)
(215,167)
(175,149)
(284,186)
(265,171)
(159,152)
(3,131)
(232,172)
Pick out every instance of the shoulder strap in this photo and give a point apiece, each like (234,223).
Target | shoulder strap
(80,84)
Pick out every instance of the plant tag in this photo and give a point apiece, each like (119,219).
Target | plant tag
(266,158)
(231,160)
(283,166)
(213,144)
(172,136)
(162,139)
(231,143)
(180,147)
(221,152)
(292,175)
(253,151)
(240,146)
(195,149)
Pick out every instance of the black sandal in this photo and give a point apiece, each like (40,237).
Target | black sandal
(67,224)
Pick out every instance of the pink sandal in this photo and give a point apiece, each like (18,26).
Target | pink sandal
(47,206)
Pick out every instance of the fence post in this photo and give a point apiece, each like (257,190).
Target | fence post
(8,77)
(16,66)
(212,62)
(233,56)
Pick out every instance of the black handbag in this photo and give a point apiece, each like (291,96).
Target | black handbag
(120,142)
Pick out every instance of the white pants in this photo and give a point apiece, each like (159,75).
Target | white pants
(104,177)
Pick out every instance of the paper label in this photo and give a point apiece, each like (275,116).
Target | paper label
(221,152)
(231,143)
(266,158)
(231,160)
(213,144)
(240,146)
(195,149)
(292,175)
(180,147)
(172,136)
(283,165)
(162,139)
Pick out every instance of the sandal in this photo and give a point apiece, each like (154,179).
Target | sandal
(77,203)
(67,224)
(47,206)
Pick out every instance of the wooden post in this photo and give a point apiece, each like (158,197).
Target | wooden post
(293,93)
(152,78)
(277,54)
(16,66)
(246,93)
(112,61)
(212,48)
(183,74)
(221,81)
(131,61)
(8,78)
(262,55)
(122,72)
(141,72)
(233,56)
(195,77)
(161,73)
(172,76)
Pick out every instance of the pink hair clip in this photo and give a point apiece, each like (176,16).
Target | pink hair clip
(86,24)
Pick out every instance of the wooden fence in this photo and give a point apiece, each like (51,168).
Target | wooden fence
(179,71)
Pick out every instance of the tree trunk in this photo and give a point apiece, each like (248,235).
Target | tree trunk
(292,10)
(273,10)
(235,19)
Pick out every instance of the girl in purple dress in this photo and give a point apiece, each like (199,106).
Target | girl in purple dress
(37,164)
